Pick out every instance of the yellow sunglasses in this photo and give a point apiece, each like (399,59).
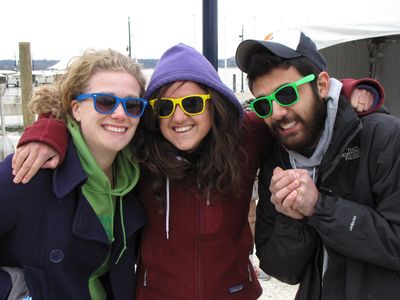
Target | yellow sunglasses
(191,105)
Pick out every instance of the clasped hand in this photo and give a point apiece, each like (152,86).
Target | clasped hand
(293,192)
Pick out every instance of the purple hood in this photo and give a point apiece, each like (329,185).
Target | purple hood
(184,63)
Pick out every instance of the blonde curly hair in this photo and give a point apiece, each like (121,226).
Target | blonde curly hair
(56,98)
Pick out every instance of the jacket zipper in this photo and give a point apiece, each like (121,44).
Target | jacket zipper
(249,271)
(200,245)
(145,278)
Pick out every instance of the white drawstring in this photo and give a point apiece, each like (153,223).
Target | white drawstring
(167,208)
(293,162)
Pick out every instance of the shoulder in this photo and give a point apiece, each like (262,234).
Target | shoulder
(255,126)
(8,187)
(11,193)
(6,177)
(382,122)
(382,130)
(255,135)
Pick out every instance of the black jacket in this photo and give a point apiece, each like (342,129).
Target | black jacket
(357,217)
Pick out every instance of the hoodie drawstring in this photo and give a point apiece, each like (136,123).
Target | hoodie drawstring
(313,174)
(167,208)
(123,229)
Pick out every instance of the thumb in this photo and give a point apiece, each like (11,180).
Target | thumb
(52,163)
(278,170)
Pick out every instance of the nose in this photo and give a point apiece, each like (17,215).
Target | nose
(278,112)
(119,112)
(179,115)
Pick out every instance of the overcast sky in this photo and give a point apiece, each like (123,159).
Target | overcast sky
(61,29)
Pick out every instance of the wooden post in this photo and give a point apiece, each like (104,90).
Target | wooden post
(25,65)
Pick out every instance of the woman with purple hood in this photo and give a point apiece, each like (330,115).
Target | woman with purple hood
(199,153)
(198,184)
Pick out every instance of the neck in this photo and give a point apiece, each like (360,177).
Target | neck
(106,164)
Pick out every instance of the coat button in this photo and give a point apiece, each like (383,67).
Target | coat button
(56,256)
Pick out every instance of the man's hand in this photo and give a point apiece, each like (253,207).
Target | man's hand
(307,194)
(283,188)
(293,192)
(29,158)
(361,100)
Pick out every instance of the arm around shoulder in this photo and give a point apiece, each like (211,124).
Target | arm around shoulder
(47,130)
(371,85)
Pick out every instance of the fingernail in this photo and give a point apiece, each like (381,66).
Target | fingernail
(25,180)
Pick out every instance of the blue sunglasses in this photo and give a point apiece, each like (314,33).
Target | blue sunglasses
(107,103)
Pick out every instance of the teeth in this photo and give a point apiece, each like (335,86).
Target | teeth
(287,125)
(182,129)
(114,129)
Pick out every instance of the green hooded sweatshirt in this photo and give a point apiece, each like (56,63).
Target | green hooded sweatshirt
(102,197)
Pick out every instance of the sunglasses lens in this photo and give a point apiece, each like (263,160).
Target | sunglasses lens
(286,95)
(262,108)
(105,103)
(134,107)
(164,107)
(193,105)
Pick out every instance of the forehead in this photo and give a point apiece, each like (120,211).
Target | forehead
(268,83)
(119,83)
(183,88)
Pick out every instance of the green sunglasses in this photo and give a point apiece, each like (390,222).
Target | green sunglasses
(286,95)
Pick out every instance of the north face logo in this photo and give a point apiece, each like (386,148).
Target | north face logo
(351,153)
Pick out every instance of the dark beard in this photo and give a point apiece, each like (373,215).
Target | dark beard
(312,129)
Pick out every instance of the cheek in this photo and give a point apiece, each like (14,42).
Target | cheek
(206,119)
(134,124)
(268,121)
(164,126)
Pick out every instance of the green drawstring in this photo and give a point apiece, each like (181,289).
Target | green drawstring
(123,230)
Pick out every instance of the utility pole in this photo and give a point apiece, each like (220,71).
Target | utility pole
(210,31)
(241,83)
(129,40)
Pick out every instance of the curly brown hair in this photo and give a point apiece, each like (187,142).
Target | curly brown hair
(218,157)
(56,99)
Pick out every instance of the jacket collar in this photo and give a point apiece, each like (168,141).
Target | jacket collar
(69,174)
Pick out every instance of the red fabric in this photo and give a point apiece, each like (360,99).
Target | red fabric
(350,84)
(49,131)
(207,253)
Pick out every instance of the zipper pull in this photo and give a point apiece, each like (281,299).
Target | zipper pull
(248,270)
(145,278)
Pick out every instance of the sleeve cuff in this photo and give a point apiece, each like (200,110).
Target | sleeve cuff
(49,131)
(369,84)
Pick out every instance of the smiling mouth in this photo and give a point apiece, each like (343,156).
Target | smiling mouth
(183,128)
(115,129)
(287,125)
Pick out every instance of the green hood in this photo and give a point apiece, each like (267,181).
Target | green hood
(102,197)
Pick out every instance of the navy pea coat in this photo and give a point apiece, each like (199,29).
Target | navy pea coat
(49,229)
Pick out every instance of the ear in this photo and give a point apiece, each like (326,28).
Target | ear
(323,84)
(76,110)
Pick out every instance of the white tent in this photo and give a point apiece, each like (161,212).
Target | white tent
(60,66)
(363,43)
